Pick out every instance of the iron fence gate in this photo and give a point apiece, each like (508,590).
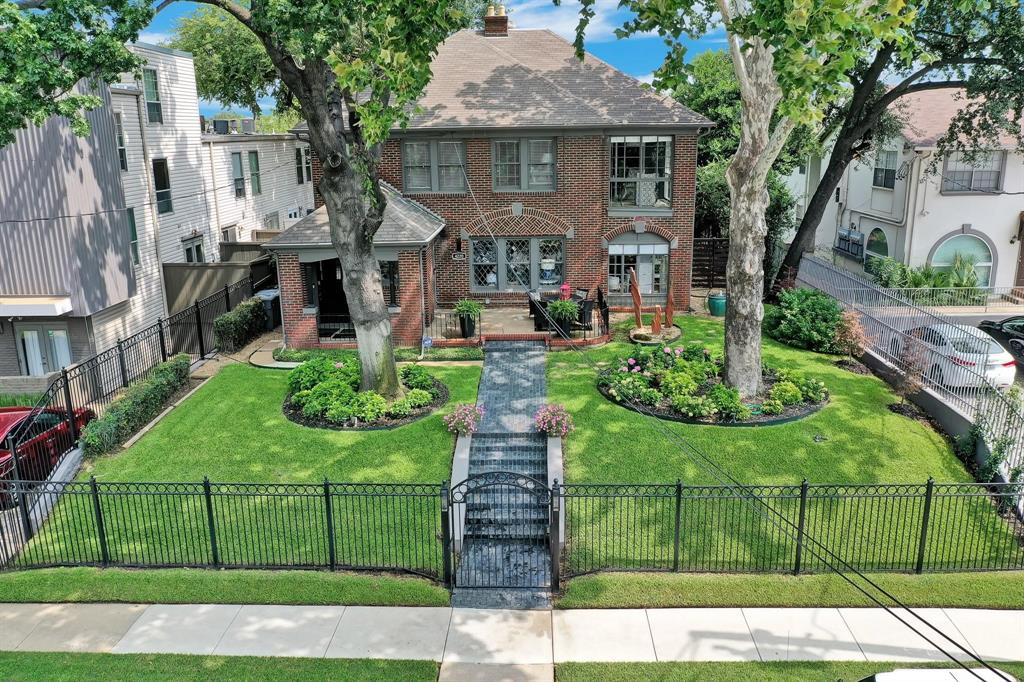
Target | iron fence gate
(502,533)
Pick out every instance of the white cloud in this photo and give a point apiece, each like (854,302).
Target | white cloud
(562,19)
(646,78)
(154,37)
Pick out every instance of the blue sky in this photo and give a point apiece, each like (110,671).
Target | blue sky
(635,56)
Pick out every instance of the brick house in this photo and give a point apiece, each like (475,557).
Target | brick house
(540,170)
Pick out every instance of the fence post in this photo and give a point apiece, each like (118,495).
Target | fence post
(678,530)
(19,491)
(122,363)
(72,424)
(199,330)
(329,510)
(555,533)
(227,299)
(208,494)
(800,528)
(929,492)
(163,340)
(100,527)
(446,536)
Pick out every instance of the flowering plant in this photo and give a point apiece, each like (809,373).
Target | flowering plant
(554,421)
(464,419)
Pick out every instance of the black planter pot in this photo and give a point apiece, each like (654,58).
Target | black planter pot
(467,324)
(561,328)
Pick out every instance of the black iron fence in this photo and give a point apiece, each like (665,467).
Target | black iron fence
(43,439)
(930,527)
(911,528)
(447,326)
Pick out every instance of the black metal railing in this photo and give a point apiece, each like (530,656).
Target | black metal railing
(84,390)
(792,529)
(450,325)
(335,327)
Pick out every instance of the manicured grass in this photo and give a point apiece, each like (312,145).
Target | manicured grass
(854,439)
(19,399)
(74,667)
(197,586)
(662,590)
(827,671)
(233,429)
(403,354)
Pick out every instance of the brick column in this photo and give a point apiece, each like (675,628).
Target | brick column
(299,327)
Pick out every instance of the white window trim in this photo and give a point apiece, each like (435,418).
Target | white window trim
(158,101)
(524,186)
(875,167)
(620,211)
(434,160)
(975,192)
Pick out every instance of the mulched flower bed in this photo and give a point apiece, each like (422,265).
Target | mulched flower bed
(853,366)
(293,413)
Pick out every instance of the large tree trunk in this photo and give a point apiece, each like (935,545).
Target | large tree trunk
(747,177)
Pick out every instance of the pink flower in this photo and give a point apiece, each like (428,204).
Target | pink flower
(631,361)
(636,369)
(623,369)
(339,365)
(679,351)
(668,350)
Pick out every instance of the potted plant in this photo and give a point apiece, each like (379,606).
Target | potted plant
(563,314)
(467,310)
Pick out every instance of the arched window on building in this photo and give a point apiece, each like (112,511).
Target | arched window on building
(878,243)
(967,246)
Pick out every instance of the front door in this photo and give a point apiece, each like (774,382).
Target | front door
(332,289)
(42,348)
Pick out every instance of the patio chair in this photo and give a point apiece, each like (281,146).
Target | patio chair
(585,320)
(600,299)
(581,293)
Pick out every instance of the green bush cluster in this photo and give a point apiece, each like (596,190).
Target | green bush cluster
(728,404)
(787,393)
(697,406)
(234,329)
(325,389)
(772,406)
(135,408)
(805,318)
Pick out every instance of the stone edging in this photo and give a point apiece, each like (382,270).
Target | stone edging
(805,411)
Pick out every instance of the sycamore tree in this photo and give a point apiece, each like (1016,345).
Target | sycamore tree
(790,58)
(353,67)
(973,45)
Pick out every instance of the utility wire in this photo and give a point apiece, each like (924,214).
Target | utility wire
(764,509)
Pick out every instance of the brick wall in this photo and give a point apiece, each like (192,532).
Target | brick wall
(580,203)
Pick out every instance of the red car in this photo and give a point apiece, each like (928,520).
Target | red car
(41,446)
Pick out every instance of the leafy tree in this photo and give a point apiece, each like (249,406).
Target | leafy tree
(46,50)
(974,45)
(790,58)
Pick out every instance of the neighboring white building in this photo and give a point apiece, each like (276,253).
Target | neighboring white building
(894,203)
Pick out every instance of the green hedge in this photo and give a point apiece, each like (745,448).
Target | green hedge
(139,404)
(234,329)
(805,318)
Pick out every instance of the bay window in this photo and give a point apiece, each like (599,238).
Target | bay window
(516,263)
(641,172)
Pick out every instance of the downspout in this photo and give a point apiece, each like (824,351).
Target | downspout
(910,219)
(213,191)
(423,301)
(151,193)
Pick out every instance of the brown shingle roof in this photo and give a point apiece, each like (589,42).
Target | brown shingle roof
(532,79)
(928,114)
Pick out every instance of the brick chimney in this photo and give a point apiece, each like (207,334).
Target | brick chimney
(496,21)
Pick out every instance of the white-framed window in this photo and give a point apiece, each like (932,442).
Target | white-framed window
(133,237)
(433,166)
(885,169)
(648,261)
(255,181)
(122,152)
(516,263)
(162,185)
(303,165)
(983,174)
(193,250)
(238,174)
(523,165)
(641,172)
(295,213)
(966,248)
(878,243)
(151,90)
(229,233)
(272,221)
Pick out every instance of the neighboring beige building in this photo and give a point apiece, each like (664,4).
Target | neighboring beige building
(894,203)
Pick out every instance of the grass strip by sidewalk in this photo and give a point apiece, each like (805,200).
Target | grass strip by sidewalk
(74,667)
(830,671)
(199,586)
(663,590)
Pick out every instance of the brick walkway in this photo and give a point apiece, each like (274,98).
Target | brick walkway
(504,559)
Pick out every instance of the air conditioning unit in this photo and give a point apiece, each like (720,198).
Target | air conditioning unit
(233,125)
(220,126)
(248,126)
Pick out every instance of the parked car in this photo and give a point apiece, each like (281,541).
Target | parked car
(958,356)
(1010,332)
(40,447)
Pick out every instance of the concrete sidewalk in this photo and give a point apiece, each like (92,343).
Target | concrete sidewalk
(504,644)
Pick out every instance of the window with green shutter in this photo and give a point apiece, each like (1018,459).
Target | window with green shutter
(254,173)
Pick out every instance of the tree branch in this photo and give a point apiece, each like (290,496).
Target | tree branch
(774,147)
(739,64)
(234,9)
(30,4)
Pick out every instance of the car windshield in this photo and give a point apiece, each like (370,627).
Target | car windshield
(974,345)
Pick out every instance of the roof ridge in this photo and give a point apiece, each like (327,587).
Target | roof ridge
(556,86)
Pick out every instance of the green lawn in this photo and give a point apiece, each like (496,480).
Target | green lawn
(663,590)
(74,667)
(854,439)
(199,586)
(232,429)
(739,672)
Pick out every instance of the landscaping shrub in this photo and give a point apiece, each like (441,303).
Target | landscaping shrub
(415,376)
(368,406)
(728,403)
(677,383)
(633,388)
(851,338)
(554,421)
(413,399)
(772,406)
(805,318)
(318,370)
(464,419)
(136,407)
(234,329)
(696,406)
(812,390)
(316,401)
(787,393)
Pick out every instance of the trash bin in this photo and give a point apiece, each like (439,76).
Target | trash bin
(272,305)
(716,303)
